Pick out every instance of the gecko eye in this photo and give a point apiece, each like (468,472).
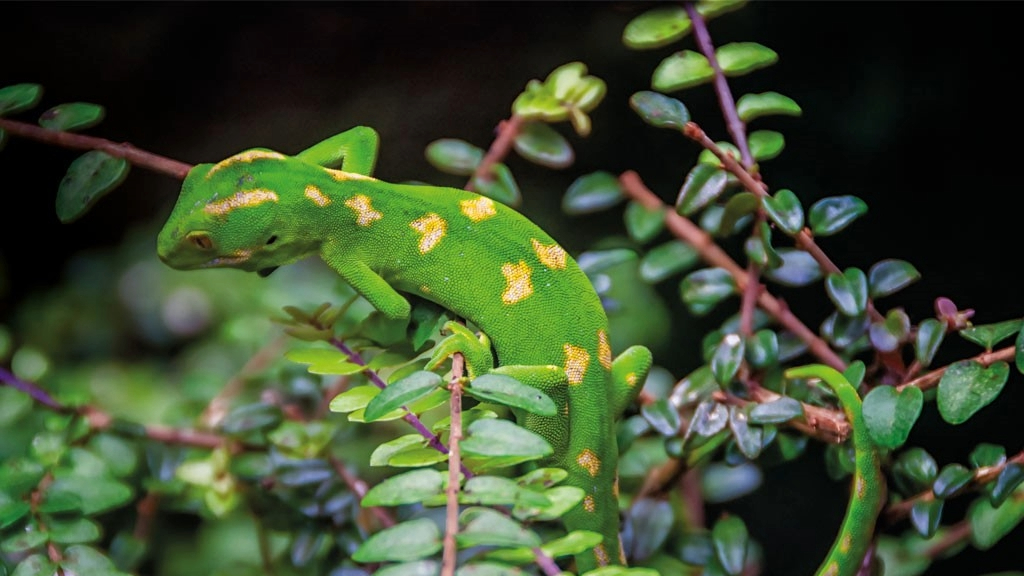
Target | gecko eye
(200,240)
(271,240)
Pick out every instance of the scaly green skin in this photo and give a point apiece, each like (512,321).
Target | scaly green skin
(868,489)
(480,259)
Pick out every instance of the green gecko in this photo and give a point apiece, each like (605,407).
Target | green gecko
(868,486)
(483,261)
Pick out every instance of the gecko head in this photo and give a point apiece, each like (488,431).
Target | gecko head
(238,213)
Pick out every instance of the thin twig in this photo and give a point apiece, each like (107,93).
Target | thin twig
(929,379)
(733,122)
(956,534)
(507,132)
(35,392)
(137,157)
(711,253)
(451,526)
(358,487)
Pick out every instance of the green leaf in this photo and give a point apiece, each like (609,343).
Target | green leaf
(659,110)
(663,416)
(798,268)
(766,144)
(500,185)
(354,398)
(575,542)
(915,470)
(541,144)
(97,493)
(566,94)
(763,349)
(739,58)
(643,225)
(703,184)
(398,394)
(737,209)
(508,391)
(725,362)
(35,565)
(751,106)
(777,411)
(985,454)
(709,419)
(759,249)
(988,335)
(407,488)
(681,70)
(651,521)
(251,417)
(486,527)
(989,524)
(555,503)
(1008,480)
(89,177)
(722,482)
(409,540)
(930,333)
(749,439)
(889,276)
(848,291)
(785,211)
(12,511)
(454,156)
(887,335)
(890,414)
(951,480)
(73,531)
(72,116)
(19,97)
(708,157)
(703,289)
(925,516)
(656,28)
(730,539)
(667,259)
(830,215)
(1018,355)
(592,193)
(82,560)
(503,438)
(967,386)
(595,262)
(492,491)
(324,361)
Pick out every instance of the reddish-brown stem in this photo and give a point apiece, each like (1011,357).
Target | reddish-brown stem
(711,253)
(359,488)
(137,157)
(929,379)
(736,127)
(956,534)
(981,477)
(449,555)
(507,132)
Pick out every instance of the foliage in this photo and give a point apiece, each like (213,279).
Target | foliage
(325,439)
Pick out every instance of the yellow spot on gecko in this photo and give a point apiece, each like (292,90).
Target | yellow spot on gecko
(242,199)
(845,543)
(601,554)
(631,379)
(247,156)
(589,461)
(431,228)
(425,289)
(588,503)
(831,570)
(342,176)
(517,282)
(576,361)
(604,350)
(480,209)
(318,197)
(365,214)
(552,256)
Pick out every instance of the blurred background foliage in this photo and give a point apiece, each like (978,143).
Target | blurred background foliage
(910,106)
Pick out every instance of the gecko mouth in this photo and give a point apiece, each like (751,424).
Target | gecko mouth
(264,272)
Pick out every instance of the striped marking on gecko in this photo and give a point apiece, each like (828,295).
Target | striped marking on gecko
(244,199)
(365,214)
(432,229)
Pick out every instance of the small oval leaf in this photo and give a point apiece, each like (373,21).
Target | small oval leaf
(681,70)
(19,97)
(501,186)
(777,411)
(727,357)
(988,335)
(951,480)
(642,224)
(766,144)
(967,386)
(656,28)
(798,268)
(830,215)
(398,394)
(751,106)
(785,211)
(889,276)
(739,58)
(702,185)
(454,156)
(592,193)
(541,144)
(667,259)
(72,116)
(730,539)
(409,540)
(659,110)
(703,289)
(90,177)
(848,291)
(508,391)
(890,414)
(930,333)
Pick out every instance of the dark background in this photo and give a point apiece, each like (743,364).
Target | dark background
(914,107)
